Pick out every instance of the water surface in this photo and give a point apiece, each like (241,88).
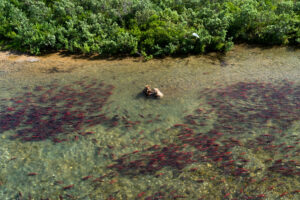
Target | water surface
(227,128)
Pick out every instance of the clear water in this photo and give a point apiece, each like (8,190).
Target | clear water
(227,127)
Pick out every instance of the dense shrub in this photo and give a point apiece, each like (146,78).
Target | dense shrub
(148,27)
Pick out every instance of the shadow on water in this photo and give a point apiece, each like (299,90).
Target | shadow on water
(54,70)
(291,48)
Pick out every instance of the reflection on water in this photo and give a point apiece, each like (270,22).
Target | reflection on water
(79,129)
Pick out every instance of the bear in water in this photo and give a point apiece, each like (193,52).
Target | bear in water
(154,93)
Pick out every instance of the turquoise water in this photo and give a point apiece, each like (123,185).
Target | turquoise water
(227,127)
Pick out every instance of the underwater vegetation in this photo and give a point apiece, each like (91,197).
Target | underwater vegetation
(241,142)
(148,28)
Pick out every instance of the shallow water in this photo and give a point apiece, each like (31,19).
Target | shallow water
(227,127)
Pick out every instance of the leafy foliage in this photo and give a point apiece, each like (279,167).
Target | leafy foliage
(148,27)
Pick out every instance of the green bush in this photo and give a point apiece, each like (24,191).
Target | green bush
(148,27)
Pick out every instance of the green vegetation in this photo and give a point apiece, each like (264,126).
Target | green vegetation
(148,27)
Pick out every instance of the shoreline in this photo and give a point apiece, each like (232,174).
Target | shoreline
(11,55)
